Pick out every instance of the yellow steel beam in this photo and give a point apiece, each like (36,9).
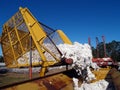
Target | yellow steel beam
(37,33)
(64,37)
(34,28)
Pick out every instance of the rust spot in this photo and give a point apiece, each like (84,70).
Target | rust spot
(115,75)
(112,71)
(48,85)
(56,82)
(59,84)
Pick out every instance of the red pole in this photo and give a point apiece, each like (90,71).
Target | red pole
(30,67)
(30,72)
(104,46)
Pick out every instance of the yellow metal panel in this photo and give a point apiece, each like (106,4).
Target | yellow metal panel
(101,74)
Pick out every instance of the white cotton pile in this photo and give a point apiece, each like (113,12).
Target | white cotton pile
(82,58)
(80,53)
(25,59)
(99,85)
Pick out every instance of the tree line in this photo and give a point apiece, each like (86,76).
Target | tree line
(112,50)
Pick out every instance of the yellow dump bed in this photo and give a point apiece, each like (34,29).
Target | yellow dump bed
(27,42)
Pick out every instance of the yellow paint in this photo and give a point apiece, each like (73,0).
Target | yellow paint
(101,74)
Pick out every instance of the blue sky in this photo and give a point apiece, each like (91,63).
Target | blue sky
(79,19)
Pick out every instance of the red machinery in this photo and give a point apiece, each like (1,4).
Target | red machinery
(103,61)
(106,61)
